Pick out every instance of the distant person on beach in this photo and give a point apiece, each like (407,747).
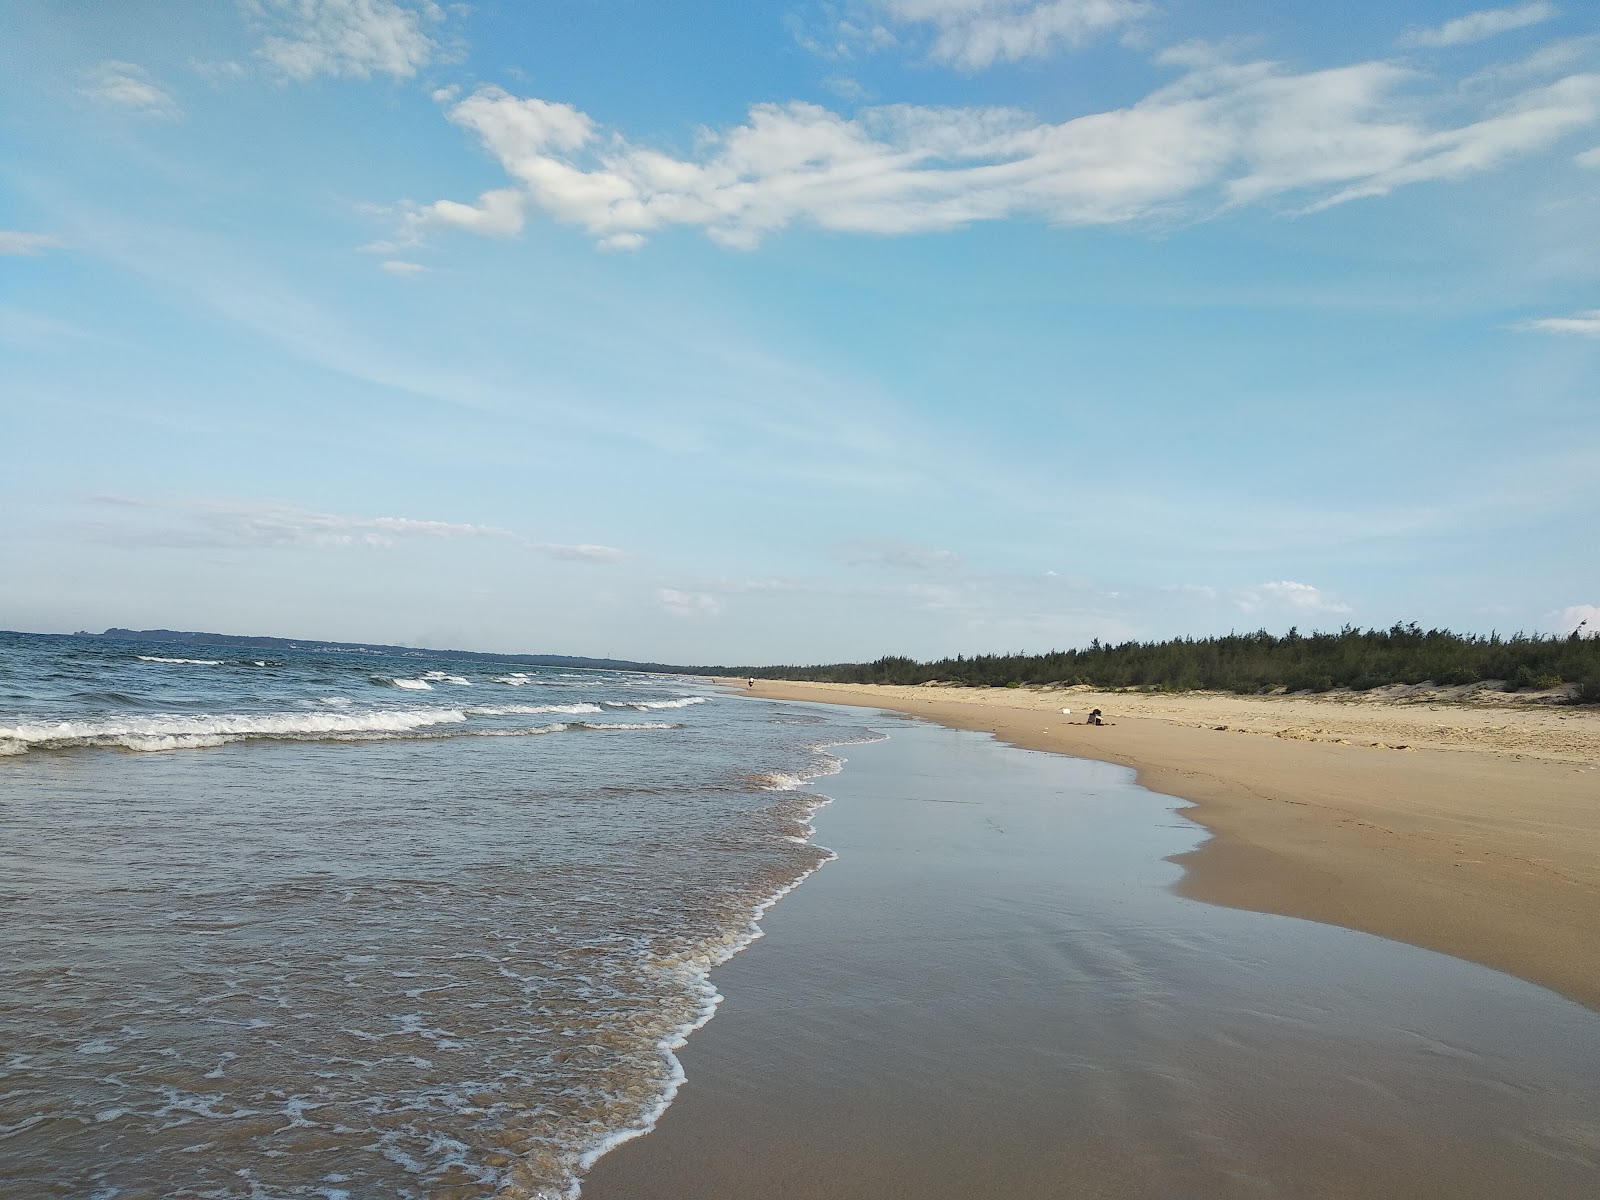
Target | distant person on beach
(752,683)
(1094,718)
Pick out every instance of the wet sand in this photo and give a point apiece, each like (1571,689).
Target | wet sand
(995,992)
(1470,829)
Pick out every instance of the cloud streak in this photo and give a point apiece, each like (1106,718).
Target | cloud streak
(582,552)
(216,522)
(1221,135)
(1476,26)
(1583,324)
(14,241)
(906,556)
(129,88)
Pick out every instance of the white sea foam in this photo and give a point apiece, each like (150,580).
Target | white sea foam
(643,705)
(193,662)
(176,732)
(516,680)
(445,677)
(413,685)
(777,781)
(698,969)
(511,710)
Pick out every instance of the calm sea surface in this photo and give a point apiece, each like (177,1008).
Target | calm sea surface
(345,925)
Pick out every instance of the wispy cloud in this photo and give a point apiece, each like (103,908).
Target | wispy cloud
(229,522)
(1583,324)
(218,71)
(1197,591)
(974,34)
(868,552)
(13,241)
(245,522)
(402,268)
(1287,594)
(1476,26)
(130,88)
(581,552)
(355,39)
(37,331)
(1223,134)
(689,604)
(1589,158)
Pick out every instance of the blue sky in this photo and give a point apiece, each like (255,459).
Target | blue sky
(797,332)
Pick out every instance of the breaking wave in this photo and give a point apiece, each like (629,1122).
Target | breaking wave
(645,705)
(512,710)
(405,685)
(173,732)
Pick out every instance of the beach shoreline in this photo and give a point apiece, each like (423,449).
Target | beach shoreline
(1472,829)
(995,991)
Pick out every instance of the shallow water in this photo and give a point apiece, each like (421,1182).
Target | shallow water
(993,992)
(365,962)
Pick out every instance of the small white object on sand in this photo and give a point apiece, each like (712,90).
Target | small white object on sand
(1066,712)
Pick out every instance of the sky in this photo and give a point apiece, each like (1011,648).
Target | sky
(742,332)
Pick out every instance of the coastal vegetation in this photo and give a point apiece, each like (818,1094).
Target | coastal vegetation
(1359,659)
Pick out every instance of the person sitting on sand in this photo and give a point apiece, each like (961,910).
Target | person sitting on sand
(1094,718)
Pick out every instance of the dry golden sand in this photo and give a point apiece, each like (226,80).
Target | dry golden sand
(1471,828)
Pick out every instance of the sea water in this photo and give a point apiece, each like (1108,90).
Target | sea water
(339,924)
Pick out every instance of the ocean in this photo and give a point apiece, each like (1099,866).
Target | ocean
(338,924)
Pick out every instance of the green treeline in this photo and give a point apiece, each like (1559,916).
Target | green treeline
(1254,662)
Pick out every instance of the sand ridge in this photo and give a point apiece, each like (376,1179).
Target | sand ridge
(1470,827)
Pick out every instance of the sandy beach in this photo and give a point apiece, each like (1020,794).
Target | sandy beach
(1446,819)
(996,992)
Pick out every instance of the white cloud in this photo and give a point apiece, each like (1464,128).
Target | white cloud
(1583,324)
(1220,135)
(246,522)
(396,266)
(974,34)
(1476,26)
(1287,594)
(14,241)
(689,604)
(582,552)
(355,39)
(903,555)
(1574,615)
(1589,158)
(129,87)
